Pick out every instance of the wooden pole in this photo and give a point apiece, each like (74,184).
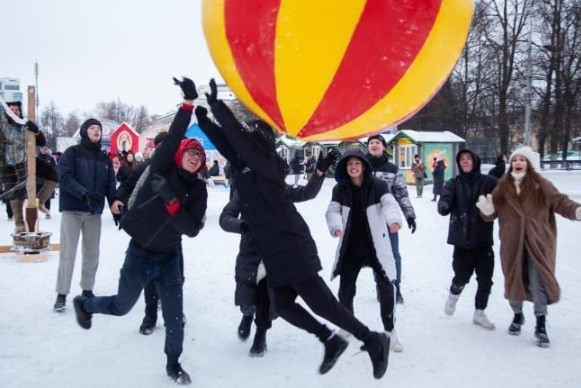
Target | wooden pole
(31,209)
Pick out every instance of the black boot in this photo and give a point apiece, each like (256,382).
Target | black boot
(398,296)
(244,327)
(259,346)
(335,345)
(88,294)
(517,322)
(83,316)
(177,374)
(60,303)
(148,325)
(541,332)
(377,345)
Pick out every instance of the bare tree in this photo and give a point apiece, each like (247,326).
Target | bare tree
(138,117)
(72,123)
(52,122)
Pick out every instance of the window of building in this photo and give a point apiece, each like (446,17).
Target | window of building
(406,155)
(11,87)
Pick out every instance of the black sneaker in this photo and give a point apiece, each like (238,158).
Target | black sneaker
(83,316)
(259,346)
(378,348)
(516,324)
(87,294)
(335,345)
(244,327)
(147,326)
(60,303)
(177,374)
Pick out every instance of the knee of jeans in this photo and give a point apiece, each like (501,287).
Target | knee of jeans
(121,309)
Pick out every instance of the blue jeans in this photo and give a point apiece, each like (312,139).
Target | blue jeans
(394,240)
(140,266)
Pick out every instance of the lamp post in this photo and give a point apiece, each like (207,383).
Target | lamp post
(36,83)
(529,90)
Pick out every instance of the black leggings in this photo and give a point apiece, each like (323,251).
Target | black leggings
(317,295)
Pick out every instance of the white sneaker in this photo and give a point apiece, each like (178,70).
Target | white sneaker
(481,319)
(394,345)
(450,306)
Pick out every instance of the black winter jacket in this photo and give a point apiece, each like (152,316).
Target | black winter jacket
(147,221)
(281,236)
(459,196)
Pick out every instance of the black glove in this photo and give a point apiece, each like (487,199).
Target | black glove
(324,163)
(188,88)
(412,224)
(443,208)
(160,186)
(201,112)
(213,96)
(93,198)
(31,126)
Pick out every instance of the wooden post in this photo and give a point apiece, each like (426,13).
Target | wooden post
(31,209)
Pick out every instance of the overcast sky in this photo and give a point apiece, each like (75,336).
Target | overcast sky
(102,50)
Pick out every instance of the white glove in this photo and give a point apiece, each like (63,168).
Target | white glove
(578,213)
(485,204)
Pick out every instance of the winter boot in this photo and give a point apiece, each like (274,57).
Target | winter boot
(450,306)
(83,316)
(516,324)
(259,346)
(148,325)
(87,294)
(395,345)
(18,211)
(541,332)
(177,374)
(59,304)
(44,194)
(335,345)
(481,319)
(377,345)
(244,327)
(398,296)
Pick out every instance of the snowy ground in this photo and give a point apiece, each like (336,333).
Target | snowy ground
(40,348)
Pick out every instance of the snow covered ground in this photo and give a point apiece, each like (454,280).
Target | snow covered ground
(40,348)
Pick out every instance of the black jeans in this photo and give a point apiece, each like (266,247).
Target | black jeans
(317,295)
(263,316)
(465,263)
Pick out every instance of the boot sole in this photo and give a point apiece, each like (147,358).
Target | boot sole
(59,309)
(257,354)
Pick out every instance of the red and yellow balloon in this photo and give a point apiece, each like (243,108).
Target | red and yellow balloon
(328,69)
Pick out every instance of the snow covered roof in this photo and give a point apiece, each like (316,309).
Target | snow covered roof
(431,136)
(291,142)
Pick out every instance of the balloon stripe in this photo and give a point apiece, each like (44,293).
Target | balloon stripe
(252,46)
(371,67)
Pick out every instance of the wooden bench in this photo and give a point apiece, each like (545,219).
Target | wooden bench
(219,180)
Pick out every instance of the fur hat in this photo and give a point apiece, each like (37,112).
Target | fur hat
(185,145)
(525,151)
(377,137)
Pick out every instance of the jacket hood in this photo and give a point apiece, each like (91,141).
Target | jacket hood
(85,136)
(341,175)
(185,145)
(475,158)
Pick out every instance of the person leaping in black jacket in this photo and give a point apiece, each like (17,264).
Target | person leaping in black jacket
(282,237)
(172,200)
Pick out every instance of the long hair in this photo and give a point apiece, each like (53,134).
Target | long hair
(529,187)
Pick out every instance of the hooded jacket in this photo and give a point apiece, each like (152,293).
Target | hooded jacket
(380,209)
(459,196)
(84,168)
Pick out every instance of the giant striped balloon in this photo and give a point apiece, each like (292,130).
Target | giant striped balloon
(335,69)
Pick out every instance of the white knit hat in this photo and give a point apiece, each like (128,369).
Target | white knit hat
(525,151)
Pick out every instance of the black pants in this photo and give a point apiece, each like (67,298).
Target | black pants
(150,293)
(386,290)
(465,263)
(317,295)
(263,316)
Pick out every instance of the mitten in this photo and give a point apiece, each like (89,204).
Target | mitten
(31,127)
(485,204)
(188,88)
(412,224)
(324,163)
(201,112)
(213,96)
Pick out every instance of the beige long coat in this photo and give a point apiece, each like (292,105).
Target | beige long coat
(523,222)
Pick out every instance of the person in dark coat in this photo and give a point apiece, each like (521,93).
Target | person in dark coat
(215,169)
(173,200)
(281,236)
(361,214)
(499,167)
(438,177)
(86,181)
(469,234)
(127,168)
(296,166)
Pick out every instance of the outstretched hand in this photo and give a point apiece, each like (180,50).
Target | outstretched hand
(213,96)
(485,204)
(324,163)
(188,88)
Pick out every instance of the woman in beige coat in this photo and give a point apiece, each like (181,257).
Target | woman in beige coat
(525,204)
